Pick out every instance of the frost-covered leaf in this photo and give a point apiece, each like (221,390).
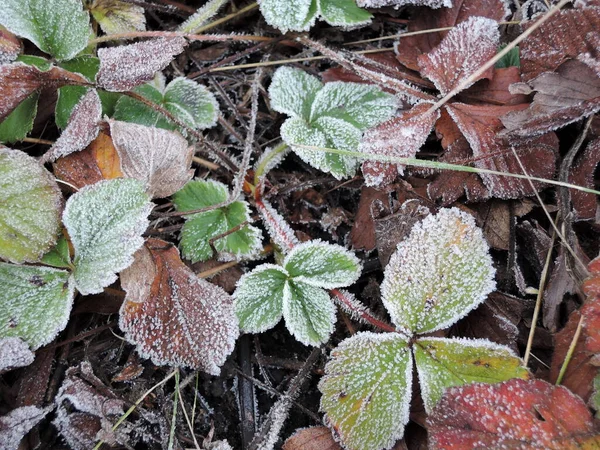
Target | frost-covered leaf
(295,15)
(309,313)
(443,363)
(58,27)
(124,67)
(322,264)
(562,97)
(187,100)
(14,352)
(334,116)
(82,128)
(174,317)
(259,298)
(367,389)
(461,53)
(36,302)
(480,125)
(513,414)
(105,222)
(10,46)
(30,206)
(18,81)
(400,137)
(117,16)
(438,274)
(343,13)
(17,423)
(200,228)
(158,158)
(19,122)
(399,3)
(201,16)
(292,91)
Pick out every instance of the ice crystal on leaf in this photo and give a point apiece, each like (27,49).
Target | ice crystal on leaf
(399,3)
(438,274)
(30,206)
(300,15)
(174,317)
(124,67)
(333,115)
(187,100)
(36,302)
(367,389)
(60,28)
(17,423)
(14,352)
(118,16)
(296,291)
(160,159)
(201,16)
(370,374)
(219,224)
(105,222)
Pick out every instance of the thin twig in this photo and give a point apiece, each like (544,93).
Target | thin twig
(570,351)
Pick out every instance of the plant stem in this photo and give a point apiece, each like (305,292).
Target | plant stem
(227,18)
(569,354)
(167,34)
(362,314)
(171,443)
(264,162)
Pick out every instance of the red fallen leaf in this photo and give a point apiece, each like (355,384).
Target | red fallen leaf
(172,316)
(99,161)
(313,438)
(372,200)
(10,46)
(558,39)
(480,125)
(402,136)
(495,91)
(124,67)
(81,130)
(583,366)
(17,423)
(591,58)
(585,205)
(18,81)
(411,47)
(461,53)
(524,414)
(562,97)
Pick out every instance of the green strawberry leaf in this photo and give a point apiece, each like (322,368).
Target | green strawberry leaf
(19,123)
(30,205)
(60,28)
(343,13)
(201,16)
(105,222)
(292,92)
(438,274)
(295,15)
(259,298)
(36,302)
(309,313)
(199,229)
(322,265)
(59,256)
(443,363)
(367,389)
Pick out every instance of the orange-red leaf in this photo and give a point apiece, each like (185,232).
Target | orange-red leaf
(313,438)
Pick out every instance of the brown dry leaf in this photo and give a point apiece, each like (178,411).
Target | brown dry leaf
(14,353)
(583,366)
(461,53)
(313,438)
(99,161)
(172,316)
(126,66)
(495,91)
(585,205)
(592,57)
(371,201)
(496,217)
(82,128)
(401,137)
(562,97)
(561,37)
(517,414)
(480,125)
(17,423)
(411,47)
(10,46)
(18,81)
(161,159)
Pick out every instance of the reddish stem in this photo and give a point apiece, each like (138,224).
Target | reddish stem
(363,315)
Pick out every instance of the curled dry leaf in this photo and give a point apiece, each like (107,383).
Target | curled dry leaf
(10,46)
(172,316)
(313,438)
(124,67)
(18,81)
(513,414)
(82,128)
(161,159)
(562,97)
(16,424)
(561,37)
(585,205)
(461,53)
(14,352)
